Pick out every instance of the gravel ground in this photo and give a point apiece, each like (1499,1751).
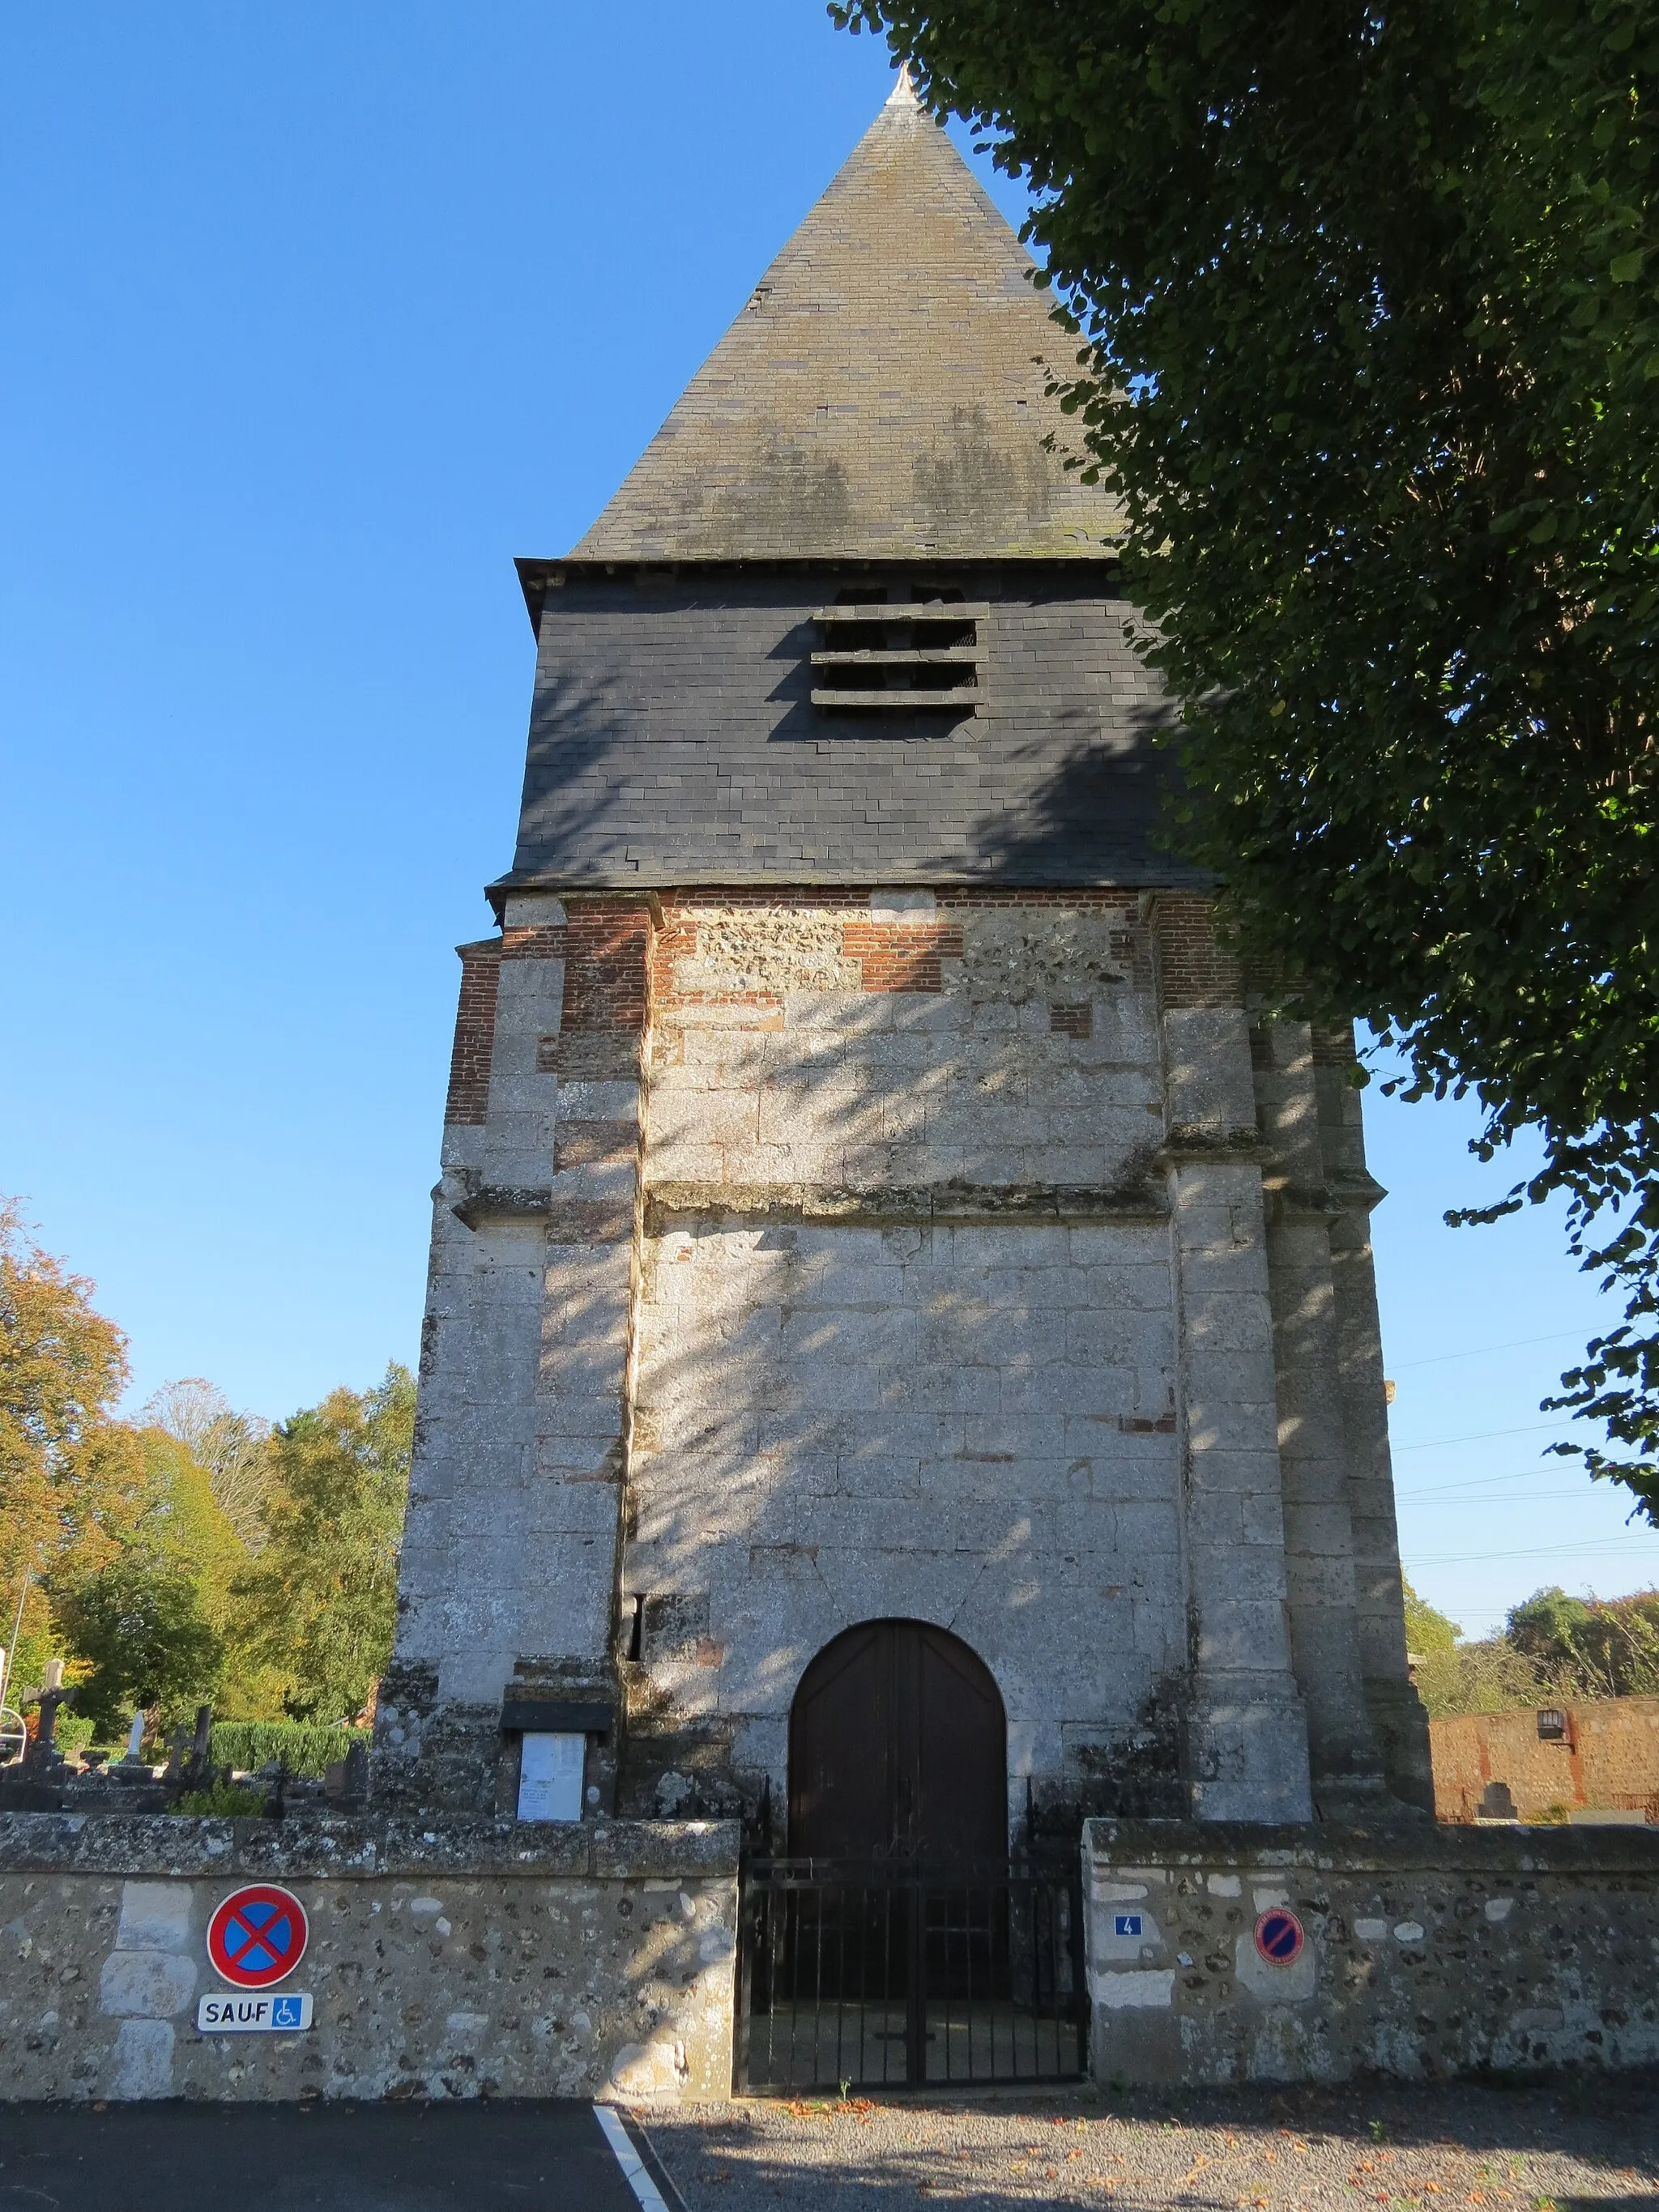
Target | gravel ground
(1546,2148)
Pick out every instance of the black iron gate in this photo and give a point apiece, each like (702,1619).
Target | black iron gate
(894,1974)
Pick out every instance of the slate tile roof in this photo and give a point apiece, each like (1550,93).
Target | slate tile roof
(882,394)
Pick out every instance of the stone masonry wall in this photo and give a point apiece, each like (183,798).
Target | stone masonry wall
(1608,1757)
(509,1562)
(1341,1545)
(808,1256)
(463,1959)
(1427,1952)
(1351,1192)
(907,1335)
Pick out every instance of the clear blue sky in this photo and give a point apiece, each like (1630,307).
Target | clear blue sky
(318,315)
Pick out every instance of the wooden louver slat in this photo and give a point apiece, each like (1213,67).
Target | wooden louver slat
(905,673)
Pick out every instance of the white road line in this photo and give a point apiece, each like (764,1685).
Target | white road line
(650,2197)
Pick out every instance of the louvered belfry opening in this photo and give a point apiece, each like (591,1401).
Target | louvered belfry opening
(897,658)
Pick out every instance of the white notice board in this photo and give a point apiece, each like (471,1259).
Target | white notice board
(550,1778)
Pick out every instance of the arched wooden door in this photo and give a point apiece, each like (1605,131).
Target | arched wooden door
(898,1744)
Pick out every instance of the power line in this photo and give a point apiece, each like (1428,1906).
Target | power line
(1483,1435)
(1534,1551)
(1485,1482)
(1512,1497)
(1471,1482)
(1480,1350)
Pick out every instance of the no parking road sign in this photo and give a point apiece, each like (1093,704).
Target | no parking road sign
(1279,1936)
(257,1935)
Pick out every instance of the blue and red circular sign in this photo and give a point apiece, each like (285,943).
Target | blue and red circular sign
(1279,1936)
(257,1935)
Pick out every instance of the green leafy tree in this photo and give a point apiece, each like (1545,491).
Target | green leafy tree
(1452,1677)
(1553,1649)
(1425,1629)
(1367,335)
(320,1605)
(141,1625)
(234,1449)
(146,1616)
(1490,1676)
(1589,1648)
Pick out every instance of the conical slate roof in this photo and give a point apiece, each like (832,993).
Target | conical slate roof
(881,396)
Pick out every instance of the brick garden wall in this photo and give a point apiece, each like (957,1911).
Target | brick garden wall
(1609,1757)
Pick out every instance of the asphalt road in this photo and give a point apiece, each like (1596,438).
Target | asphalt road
(544,2157)
(1587,2143)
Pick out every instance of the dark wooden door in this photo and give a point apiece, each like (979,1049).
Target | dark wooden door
(898,1744)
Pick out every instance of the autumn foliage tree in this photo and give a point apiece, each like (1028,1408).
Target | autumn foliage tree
(197,1553)
(70,1474)
(149,1618)
(129,1556)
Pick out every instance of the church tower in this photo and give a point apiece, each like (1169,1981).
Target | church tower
(902,1344)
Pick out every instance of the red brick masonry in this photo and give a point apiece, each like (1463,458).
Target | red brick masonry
(474,1033)
(1608,1757)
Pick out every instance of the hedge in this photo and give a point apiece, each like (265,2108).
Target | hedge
(246,1745)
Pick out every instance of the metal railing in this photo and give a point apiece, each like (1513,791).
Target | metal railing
(893,1975)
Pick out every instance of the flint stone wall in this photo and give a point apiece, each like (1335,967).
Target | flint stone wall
(1428,1951)
(446,1958)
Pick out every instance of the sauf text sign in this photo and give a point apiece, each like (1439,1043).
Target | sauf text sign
(247,2015)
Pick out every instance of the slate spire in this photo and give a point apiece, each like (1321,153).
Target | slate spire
(880,396)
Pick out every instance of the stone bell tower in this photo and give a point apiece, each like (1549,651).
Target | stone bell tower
(901,1336)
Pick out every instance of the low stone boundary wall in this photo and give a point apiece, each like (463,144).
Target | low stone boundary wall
(446,1958)
(1426,1951)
